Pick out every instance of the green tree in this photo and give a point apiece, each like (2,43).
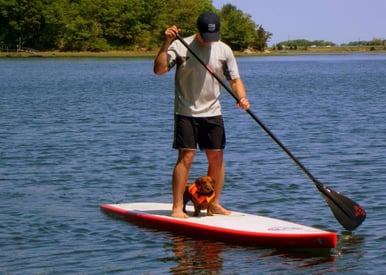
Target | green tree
(13,20)
(184,13)
(36,24)
(262,39)
(238,29)
(128,24)
(116,24)
(82,29)
(52,27)
(120,21)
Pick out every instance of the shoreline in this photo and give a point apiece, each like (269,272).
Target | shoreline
(152,54)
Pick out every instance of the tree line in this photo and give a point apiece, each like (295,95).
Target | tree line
(373,42)
(303,44)
(100,25)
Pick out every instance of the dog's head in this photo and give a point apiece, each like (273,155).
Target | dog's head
(205,184)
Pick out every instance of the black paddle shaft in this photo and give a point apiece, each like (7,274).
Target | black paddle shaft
(347,212)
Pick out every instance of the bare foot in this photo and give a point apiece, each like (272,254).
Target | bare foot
(218,209)
(179,214)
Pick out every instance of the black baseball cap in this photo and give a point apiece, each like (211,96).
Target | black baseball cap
(208,25)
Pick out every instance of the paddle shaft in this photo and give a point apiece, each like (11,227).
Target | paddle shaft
(348,213)
(261,124)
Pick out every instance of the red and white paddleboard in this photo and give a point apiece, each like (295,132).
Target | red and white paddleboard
(239,228)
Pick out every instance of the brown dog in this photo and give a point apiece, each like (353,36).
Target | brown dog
(201,193)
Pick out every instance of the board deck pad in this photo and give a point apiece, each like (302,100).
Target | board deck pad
(239,228)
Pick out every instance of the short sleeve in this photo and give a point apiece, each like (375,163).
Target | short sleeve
(172,55)
(231,70)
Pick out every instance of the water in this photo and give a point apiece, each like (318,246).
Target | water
(76,133)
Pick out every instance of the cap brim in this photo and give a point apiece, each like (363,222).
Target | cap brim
(210,36)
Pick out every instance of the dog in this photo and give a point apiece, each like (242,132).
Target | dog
(201,193)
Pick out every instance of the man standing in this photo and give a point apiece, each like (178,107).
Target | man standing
(198,117)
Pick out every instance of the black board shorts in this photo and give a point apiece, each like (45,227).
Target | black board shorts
(206,132)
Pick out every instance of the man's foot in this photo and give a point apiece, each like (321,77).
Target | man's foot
(176,213)
(218,209)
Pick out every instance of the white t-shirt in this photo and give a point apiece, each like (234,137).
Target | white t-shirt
(197,92)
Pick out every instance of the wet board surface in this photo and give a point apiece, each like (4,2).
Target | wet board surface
(239,228)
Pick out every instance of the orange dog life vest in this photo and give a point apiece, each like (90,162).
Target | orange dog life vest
(200,197)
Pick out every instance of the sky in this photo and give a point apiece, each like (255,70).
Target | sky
(338,21)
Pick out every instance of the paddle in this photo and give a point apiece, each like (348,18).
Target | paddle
(348,213)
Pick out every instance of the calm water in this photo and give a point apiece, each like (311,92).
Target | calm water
(76,133)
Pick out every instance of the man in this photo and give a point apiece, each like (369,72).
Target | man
(198,117)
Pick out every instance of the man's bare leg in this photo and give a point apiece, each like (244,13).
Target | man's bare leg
(216,171)
(179,180)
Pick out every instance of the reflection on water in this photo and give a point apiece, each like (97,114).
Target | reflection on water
(349,242)
(193,255)
(306,258)
(76,133)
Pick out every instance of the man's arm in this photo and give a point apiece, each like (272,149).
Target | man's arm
(161,60)
(238,89)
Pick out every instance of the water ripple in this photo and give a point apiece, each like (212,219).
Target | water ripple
(78,133)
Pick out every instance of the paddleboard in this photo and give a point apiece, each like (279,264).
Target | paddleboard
(238,228)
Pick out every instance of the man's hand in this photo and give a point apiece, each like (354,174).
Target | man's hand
(161,60)
(170,33)
(243,103)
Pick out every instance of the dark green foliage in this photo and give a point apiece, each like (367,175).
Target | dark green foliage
(97,25)
(240,32)
(374,42)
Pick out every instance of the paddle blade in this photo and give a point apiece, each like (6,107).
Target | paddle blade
(348,213)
